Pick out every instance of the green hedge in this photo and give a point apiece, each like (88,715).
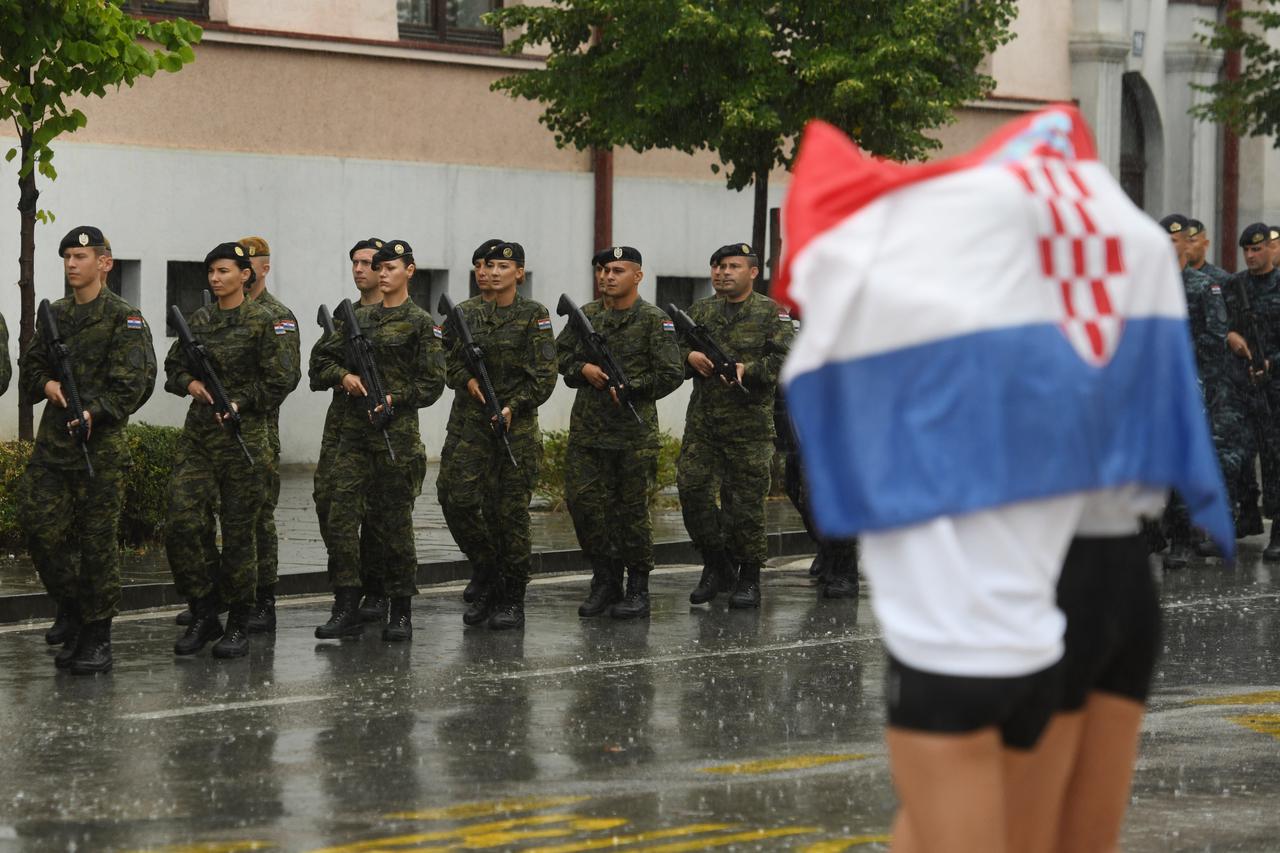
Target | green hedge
(146,485)
(555,443)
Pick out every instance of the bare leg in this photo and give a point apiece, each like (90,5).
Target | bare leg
(952,787)
(1035,783)
(1098,793)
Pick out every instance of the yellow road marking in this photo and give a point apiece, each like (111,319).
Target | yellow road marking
(1267,724)
(839,845)
(778,765)
(636,838)
(212,847)
(458,832)
(485,809)
(1265,697)
(506,839)
(733,838)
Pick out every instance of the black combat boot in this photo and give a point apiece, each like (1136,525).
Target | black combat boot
(486,598)
(205,627)
(474,585)
(816,568)
(235,640)
(399,627)
(1250,523)
(93,652)
(844,577)
(747,592)
(636,604)
(62,659)
(510,610)
(344,619)
(373,607)
(1271,554)
(263,618)
(716,566)
(184,617)
(1178,556)
(606,588)
(65,625)
(1206,548)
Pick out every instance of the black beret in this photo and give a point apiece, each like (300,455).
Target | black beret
(367,243)
(394,250)
(1175,223)
(83,236)
(232,252)
(483,249)
(601,258)
(1274,233)
(1255,234)
(734,250)
(618,253)
(506,252)
(1194,227)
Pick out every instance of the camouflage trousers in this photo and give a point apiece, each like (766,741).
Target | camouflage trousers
(1236,442)
(322,493)
(72,522)
(265,527)
(844,550)
(203,486)
(738,474)
(486,502)
(372,496)
(607,492)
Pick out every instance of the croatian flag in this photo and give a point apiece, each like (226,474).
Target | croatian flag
(998,327)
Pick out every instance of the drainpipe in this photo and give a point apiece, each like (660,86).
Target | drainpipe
(1230,228)
(602,234)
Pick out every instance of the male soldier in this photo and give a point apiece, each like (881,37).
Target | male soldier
(1257,385)
(598,262)
(286,325)
(1207,316)
(611,463)
(1197,259)
(6,369)
(369,482)
(484,494)
(71,518)
(728,435)
(373,605)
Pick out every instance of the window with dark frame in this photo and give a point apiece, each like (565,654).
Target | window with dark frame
(682,290)
(115,279)
(169,8)
(426,286)
(184,286)
(459,21)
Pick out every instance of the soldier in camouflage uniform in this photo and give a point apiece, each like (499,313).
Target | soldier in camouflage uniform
(6,368)
(611,463)
(368,486)
(72,519)
(373,604)
(727,450)
(268,546)
(484,497)
(1207,316)
(1261,391)
(211,475)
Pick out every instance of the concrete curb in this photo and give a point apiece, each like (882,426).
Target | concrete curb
(38,605)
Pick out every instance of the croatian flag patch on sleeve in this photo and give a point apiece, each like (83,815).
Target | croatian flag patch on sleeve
(437,331)
(544,323)
(133,322)
(668,326)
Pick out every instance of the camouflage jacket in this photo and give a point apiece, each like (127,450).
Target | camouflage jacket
(114,364)
(758,335)
(257,367)
(642,340)
(520,355)
(6,369)
(285,325)
(410,360)
(1216,273)
(1207,314)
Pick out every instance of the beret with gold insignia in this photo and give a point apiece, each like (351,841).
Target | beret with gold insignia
(506,251)
(367,243)
(734,250)
(231,252)
(256,247)
(82,236)
(483,249)
(619,253)
(1194,227)
(1254,234)
(1175,223)
(394,250)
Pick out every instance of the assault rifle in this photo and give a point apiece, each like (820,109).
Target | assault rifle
(60,356)
(360,358)
(696,333)
(1253,338)
(598,351)
(202,367)
(325,319)
(473,358)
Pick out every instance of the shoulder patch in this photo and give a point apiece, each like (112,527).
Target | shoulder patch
(668,326)
(437,331)
(784,316)
(284,327)
(134,321)
(544,323)
(1216,288)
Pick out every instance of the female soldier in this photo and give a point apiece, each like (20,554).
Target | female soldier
(484,495)
(211,473)
(369,484)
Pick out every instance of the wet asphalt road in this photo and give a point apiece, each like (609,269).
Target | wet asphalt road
(697,729)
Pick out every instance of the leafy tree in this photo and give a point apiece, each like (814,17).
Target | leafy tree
(1247,99)
(50,51)
(742,77)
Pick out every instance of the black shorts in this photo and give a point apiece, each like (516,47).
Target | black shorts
(950,704)
(1113,619)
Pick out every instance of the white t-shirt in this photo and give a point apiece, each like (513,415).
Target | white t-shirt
(1119,511)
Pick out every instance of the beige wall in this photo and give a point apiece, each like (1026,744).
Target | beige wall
(1036,65)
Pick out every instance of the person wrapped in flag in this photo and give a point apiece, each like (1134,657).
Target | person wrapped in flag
(970,424)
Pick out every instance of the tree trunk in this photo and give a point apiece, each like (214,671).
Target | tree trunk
(759,224)
(28,195)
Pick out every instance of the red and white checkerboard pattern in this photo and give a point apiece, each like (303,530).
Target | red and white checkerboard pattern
(1082,262)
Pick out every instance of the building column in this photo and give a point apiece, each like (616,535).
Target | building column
(1097,66)
(1191,181)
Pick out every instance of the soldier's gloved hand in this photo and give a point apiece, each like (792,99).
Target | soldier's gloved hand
(594,375)
(473,388)
(703,365)
(53,391)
